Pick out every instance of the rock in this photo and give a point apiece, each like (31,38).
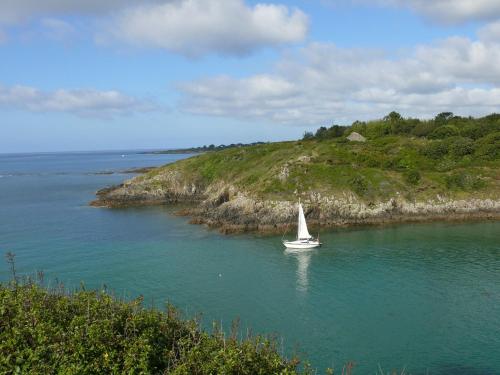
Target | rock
(284,173)
(304,159)
(356,137)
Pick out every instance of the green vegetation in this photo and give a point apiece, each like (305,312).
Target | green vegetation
(419,159)
(90,332)
(205,148)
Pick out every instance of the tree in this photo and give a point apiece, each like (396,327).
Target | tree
(336,131)
(321,133)
(393,117)
(443,117)
(308,135)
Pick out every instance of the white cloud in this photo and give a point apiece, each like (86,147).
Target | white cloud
(197,27)
(324,83)
(490,33)
(189,27)
(15,11)
(462,60)
(81,102)
(450,11)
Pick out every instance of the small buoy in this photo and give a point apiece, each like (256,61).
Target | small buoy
(123,156)
(220,274)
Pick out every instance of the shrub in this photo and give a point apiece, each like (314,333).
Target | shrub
(460,146)
(488,147)
(435,150)
(398,124)
(369,159)
(358,184)
(412,176)
(341,140)
(334,131)
(444,132)
(44,332)
(358,127)
(475,131)
(405,126)
(391,163)
(463,181)
(423,129)
(377,129)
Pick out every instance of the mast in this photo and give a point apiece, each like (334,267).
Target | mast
(298,219)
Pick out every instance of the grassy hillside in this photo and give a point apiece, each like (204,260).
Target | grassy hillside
(449,155)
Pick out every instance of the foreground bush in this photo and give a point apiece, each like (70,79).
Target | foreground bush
(89,332)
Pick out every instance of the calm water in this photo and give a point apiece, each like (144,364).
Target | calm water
(424,297)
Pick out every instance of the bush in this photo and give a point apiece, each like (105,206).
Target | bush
(404,126)
(488,147)
(377,129)
(358,127)
(463,181)
(412,176)
(435,150)
(44,332)
(444,132)
(369,159)
(359,185)
(341,140)
(475,131)
(423,129)
(334,131)
(460,146)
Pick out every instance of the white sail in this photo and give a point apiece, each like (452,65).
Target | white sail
(303,233)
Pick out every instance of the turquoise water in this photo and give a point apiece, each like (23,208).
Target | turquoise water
(425,297)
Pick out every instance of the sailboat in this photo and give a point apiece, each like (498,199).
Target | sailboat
(304,239)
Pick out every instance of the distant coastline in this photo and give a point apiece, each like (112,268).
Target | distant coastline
(201,149)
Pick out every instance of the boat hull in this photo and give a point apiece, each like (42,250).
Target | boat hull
(301,244)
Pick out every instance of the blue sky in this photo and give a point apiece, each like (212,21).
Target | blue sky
(93,75)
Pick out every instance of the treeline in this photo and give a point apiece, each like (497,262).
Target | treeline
(205,148)
(223,147)
(452,135)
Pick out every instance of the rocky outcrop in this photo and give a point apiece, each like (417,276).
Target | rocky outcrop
(161,188)
(223,206)
(356,137)
(246,214)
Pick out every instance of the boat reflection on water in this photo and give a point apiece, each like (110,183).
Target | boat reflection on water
(303,258)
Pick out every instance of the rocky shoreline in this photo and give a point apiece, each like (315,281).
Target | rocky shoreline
(223,206)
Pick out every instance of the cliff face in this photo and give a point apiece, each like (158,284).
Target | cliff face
(243,213)
(222,205)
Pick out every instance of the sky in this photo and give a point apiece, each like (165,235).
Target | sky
(124,74)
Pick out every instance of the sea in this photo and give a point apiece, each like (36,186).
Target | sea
(417,298)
